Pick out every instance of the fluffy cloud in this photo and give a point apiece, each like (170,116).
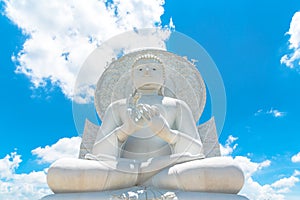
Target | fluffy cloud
(256,191)
(8,164)
(252,189)
(273,112)
(296,173)
(285,183)
(61,34)
(249,167)
(296,158)
(20,186)
(292,60)
(229,146)
(33,185)
(65,147)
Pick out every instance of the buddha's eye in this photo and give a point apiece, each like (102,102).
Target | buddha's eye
(140,69)
(154,69)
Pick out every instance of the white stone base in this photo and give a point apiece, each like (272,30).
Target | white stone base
(136,193)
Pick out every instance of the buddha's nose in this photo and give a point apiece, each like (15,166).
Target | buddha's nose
(147,71)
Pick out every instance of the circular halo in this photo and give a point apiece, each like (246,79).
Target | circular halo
(183,81)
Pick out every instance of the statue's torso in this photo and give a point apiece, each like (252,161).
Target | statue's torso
(144,148)
(144,144)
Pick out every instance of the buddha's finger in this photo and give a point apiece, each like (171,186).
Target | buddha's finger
(145,113)
(155,110)
(150,110)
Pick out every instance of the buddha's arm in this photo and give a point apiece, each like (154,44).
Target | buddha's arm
(111,134)
(107,145)
(184,138)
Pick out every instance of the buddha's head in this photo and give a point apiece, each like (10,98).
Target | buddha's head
(148,73)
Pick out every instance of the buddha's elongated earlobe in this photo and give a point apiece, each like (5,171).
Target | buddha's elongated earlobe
(134,92)
(162,90)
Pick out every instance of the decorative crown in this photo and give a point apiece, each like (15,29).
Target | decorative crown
(146,58)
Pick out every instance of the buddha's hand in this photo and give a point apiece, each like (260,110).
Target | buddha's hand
(138,114)
(131,124)
(155,121)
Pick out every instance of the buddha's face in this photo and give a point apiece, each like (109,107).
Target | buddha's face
(148,76)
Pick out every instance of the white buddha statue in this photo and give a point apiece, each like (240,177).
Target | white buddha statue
(147,139)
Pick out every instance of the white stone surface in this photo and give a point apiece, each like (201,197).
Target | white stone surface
(209,138)
(136,193)
(217,174)
(88,138)
(207,133)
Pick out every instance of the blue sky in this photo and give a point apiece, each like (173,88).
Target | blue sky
(246,39)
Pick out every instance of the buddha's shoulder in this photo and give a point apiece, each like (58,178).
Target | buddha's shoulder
(118,104)
(173,101)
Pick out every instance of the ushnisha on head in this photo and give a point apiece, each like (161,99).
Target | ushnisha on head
(148,73)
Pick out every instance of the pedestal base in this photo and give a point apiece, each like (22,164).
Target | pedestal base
(136,193)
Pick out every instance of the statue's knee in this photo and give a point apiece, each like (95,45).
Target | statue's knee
(87,175)
(66,176)
(209,176)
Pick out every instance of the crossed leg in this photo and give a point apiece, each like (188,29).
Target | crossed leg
(217,174)
(77,175)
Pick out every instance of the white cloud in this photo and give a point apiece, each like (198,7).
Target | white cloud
(256,191)
(273,112)
(296,173)
(20,186)
(33,186)
(61,34)
(8,164)
(249,167)
(278,190)
(296,158)
(292,60)
(285,183)
(276,113)
(65,147)
(228,148)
